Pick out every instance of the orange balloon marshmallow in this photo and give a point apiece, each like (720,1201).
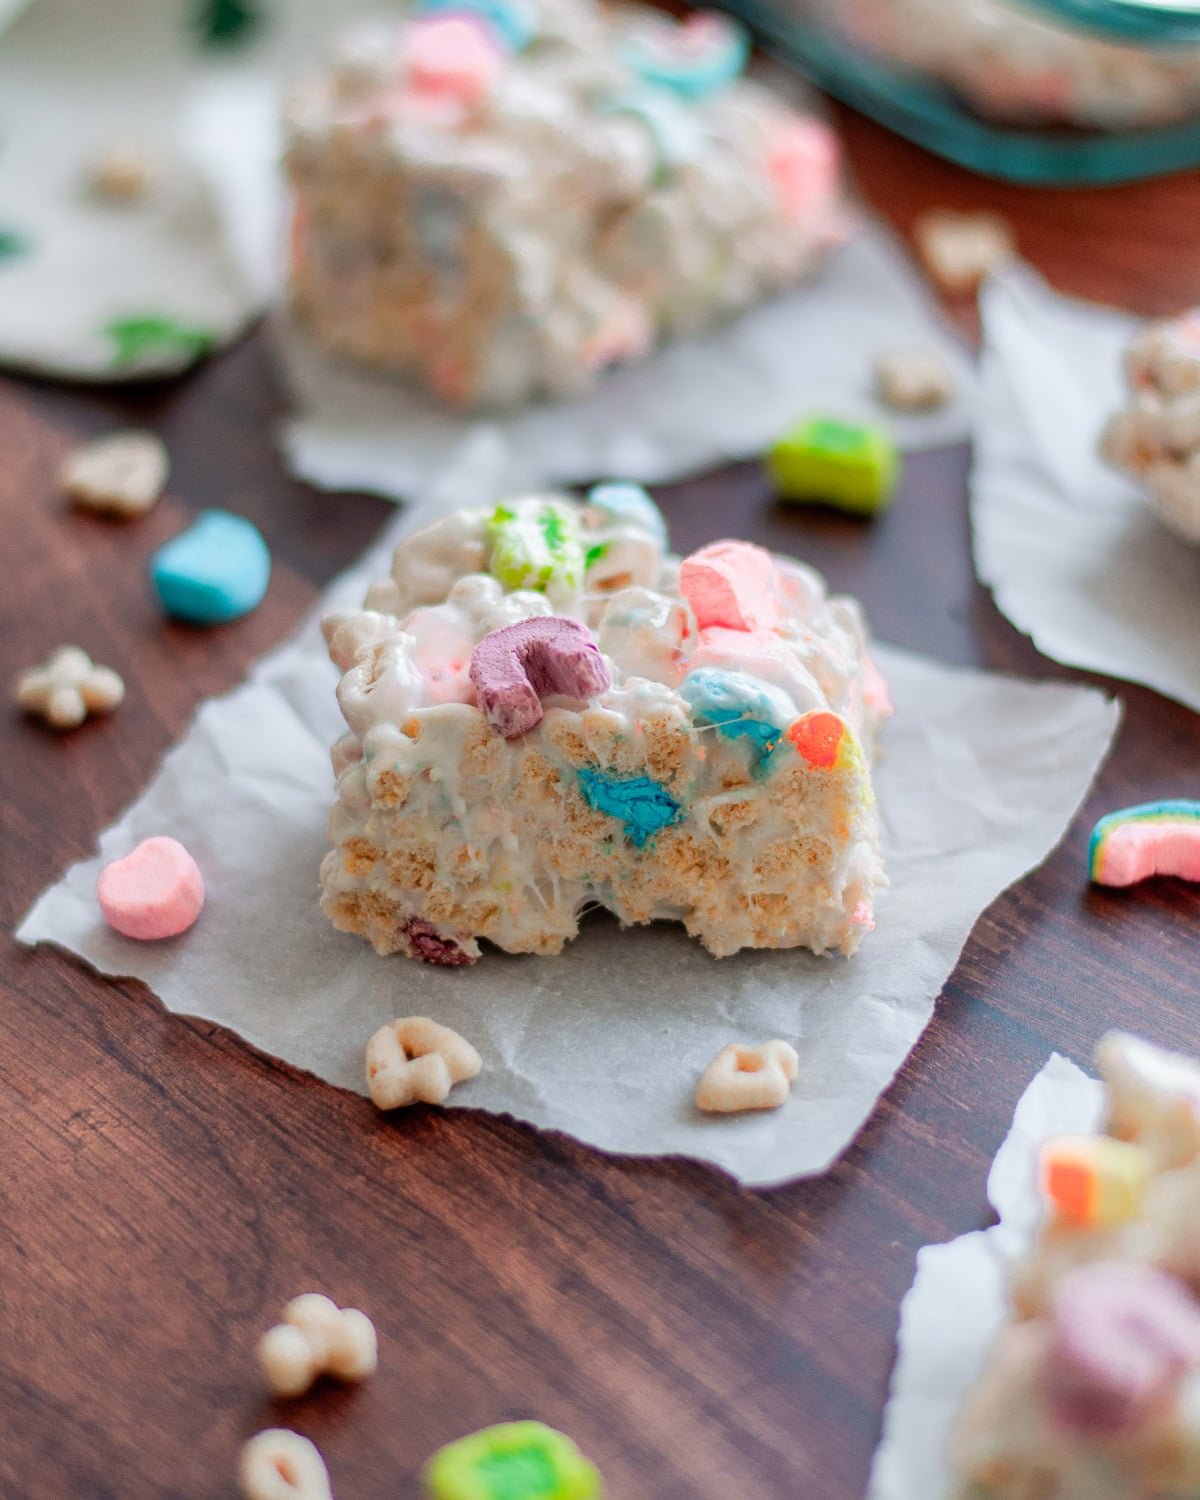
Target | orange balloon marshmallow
(817,737)
(1094,1181)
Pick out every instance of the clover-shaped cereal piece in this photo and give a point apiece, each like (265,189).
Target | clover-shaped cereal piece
(317,1337)
(282,1465)
(742,1077)
(122,474)
(68,686)
(414,1059)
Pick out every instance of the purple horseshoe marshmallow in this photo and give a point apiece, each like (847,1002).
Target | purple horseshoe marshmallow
(1123,1335)
(515,667)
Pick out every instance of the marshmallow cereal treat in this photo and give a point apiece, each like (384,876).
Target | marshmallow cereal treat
(499,199)
(1092,1391)
(548,712)
(1156,438)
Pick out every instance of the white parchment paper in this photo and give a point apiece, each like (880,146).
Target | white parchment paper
(982,776)
(954,1310)
(1073,556)
(702,402)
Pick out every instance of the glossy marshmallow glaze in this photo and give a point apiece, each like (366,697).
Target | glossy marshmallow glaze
(722,779)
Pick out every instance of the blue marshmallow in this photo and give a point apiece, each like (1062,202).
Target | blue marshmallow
(215,571)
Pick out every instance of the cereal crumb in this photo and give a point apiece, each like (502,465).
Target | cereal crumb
(282,1465)
(960,249)
(123,174)
(742,1077)
(122,474)
(68,686)
(913,379)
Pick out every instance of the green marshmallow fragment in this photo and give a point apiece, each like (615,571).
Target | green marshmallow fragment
(845,464)
(513,1461)
(536,544)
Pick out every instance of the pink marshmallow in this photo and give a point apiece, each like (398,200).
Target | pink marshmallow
(804,162)
(732,585)
(514,668)
(453,55)
(156,891)
(1123,1335)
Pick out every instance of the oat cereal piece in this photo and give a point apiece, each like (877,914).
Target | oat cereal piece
(913,379)
(122,474)
(67,687)
(1091,1391)
(123,174)
(742,1077)
(415,1059)
(692,741)
(282,1465)
(960,249)
(1156,438)
(317,1338)
(501,213)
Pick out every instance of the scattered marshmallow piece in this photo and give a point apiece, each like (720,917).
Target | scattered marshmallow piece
(122,474)
(416,1059)
(282,1465)
(959,249)
(155,892)
(317,1337)
(67,687)
(742,1077)
(913,379)
(122,173)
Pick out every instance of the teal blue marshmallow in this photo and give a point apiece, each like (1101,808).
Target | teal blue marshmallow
(630,502)
(514,23)
(215,571)
(737,705)
(644,806)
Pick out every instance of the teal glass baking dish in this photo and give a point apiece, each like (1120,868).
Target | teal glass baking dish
(1044,91)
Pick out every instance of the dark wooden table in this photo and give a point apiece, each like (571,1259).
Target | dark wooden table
(163,1188)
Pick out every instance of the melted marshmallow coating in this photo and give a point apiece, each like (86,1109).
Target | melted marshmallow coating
(1156,438)
(511,235)
(722,779)
(1092,1391)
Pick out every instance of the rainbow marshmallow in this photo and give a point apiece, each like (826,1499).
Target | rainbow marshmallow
(1154,838)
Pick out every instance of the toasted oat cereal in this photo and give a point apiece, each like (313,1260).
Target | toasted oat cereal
(742,1077)
(282,1465)
(415,1059)
(317,1337)
(960,249)
(122,174)
(913,379)
(122,474)
(68,686)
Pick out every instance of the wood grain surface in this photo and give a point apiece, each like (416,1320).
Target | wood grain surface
(164,1189)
